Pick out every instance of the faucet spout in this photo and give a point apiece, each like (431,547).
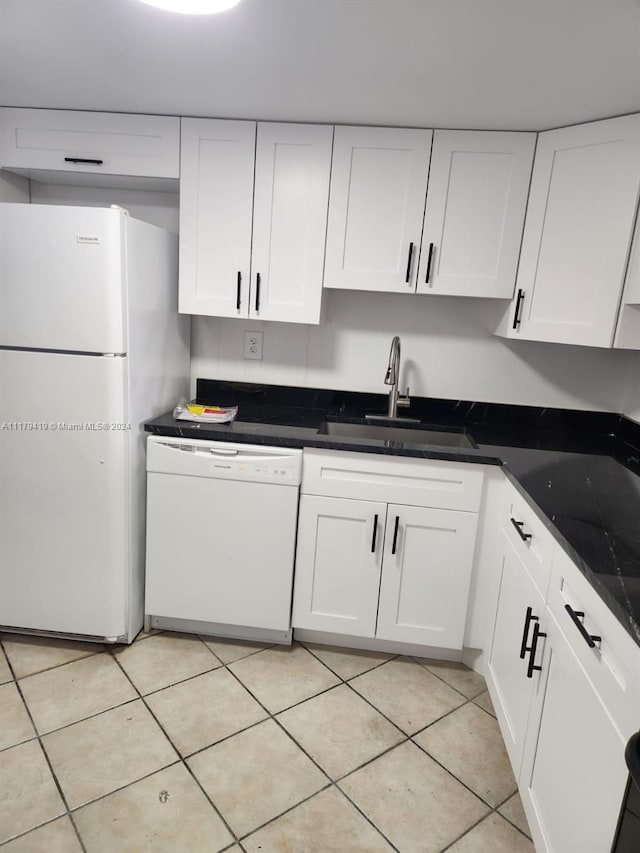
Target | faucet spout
(392,378)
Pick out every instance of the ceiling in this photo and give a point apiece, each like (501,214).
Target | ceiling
(521,64)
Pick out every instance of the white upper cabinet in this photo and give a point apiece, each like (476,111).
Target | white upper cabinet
(578,229)
(216,208)
(378,186)
(90,143)
(293,164)
(476,202)
(277,273)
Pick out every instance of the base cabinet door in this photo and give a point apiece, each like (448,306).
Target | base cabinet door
(428,557)
(338,563)
(510,678)
(573,771)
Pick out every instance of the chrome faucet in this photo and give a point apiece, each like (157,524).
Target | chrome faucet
(392,377)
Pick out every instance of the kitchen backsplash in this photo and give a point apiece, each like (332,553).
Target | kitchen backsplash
(448,350)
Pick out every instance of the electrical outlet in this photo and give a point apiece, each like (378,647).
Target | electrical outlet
(253,345)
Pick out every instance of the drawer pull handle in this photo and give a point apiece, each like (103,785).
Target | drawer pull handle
(576,616)
(429,257)
(518,526)
(375,533)
(395,535)
(239,286)
(529,618)
(84,160)
(537,633)
(407,278)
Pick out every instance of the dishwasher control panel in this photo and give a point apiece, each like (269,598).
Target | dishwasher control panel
(224,460)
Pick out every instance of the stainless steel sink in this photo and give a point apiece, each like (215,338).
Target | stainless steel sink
(406,435)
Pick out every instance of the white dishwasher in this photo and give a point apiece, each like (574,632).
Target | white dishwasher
(221,534)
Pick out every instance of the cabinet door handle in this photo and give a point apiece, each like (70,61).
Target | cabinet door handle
(518,526)
(84,160)
(257,292)
(408,275)
(395,535)
(429,257)
(576,615)
(537,633)
(238,290)
(375,533)
(516,316)
(524,648)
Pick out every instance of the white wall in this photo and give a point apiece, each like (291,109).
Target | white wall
(13,187)
(448,350)
(158,208)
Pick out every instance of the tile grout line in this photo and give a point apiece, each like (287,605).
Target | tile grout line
(332,783)
(46,758)
(183,760)
(177,751)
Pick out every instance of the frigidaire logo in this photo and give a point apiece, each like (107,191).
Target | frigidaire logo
(88,238)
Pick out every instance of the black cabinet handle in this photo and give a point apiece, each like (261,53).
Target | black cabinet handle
(375,533)
(518,526)
(537,633)
(408,275)
(238,291)
(576,615)
(395,535)
(516,316)
(257,292)
(84,160)
(524,648)
(429,256)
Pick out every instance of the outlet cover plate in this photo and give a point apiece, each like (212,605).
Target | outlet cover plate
(253,345)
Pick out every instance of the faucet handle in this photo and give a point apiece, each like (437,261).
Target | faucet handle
(404,401)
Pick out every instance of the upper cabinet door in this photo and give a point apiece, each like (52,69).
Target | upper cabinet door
(216,206)
(582,206)
(476,202)
(378,188)
(293,166)
(92,143)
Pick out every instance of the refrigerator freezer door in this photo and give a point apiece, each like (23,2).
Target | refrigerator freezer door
(64,531)
(62,278)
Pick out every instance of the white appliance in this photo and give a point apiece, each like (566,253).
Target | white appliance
(91,345)
(221,533)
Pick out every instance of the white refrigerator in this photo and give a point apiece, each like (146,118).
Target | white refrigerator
(91,345)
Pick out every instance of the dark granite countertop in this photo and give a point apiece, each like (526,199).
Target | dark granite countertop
(579,470)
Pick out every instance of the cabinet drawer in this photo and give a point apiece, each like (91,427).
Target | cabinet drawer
(613,663)
(415,482)
(138,145)
(530,538)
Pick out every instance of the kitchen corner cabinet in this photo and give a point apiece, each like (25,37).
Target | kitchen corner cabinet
(580,217)
(380,568)
(253,208)
(475,202)
(90,143)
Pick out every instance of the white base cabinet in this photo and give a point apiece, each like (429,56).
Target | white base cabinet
(394,571)
(573,773)
(510,677)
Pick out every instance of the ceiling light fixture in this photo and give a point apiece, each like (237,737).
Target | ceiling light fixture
(193,7)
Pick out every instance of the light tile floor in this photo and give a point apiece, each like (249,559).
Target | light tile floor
(178,744)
